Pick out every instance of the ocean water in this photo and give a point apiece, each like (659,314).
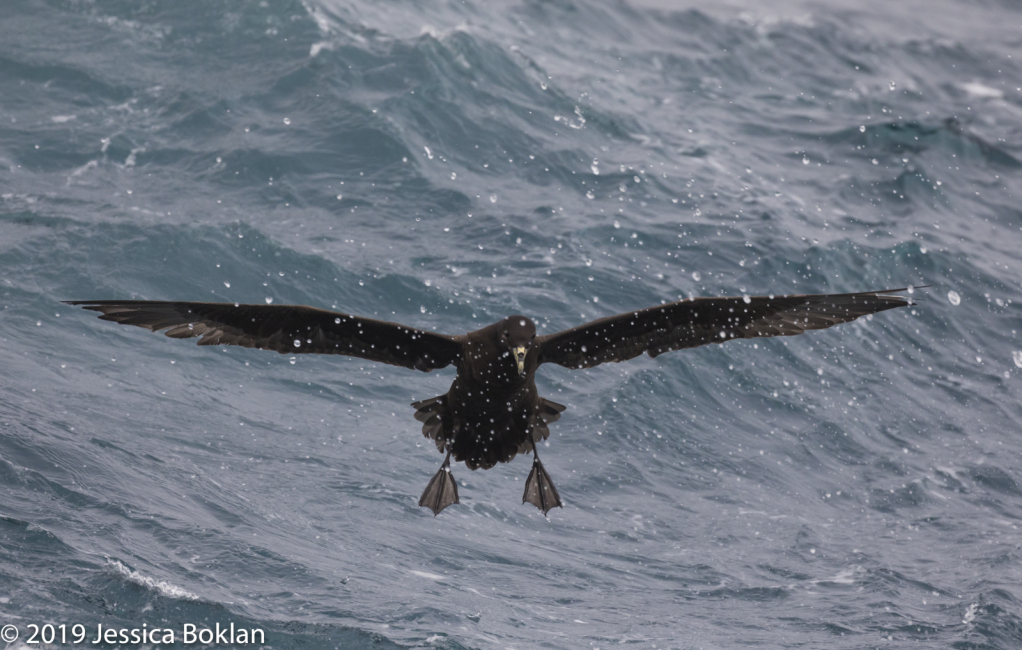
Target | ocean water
(442,164)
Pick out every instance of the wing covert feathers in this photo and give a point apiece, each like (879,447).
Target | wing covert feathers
(288,329)
(699,321)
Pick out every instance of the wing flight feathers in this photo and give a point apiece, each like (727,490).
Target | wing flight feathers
(699,321)
(288,329)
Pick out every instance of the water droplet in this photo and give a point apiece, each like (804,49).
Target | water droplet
(227,284)
(892,85)
(590,195)
(696,276)
(1017,358)
(805,160)
(617,224)
(429,283)
(596,299)
(298,343)
(454,175)
(422,309)
(862,129)
(493,198)
(875,161)
(292,360)
(746,299)
(287,120)
(954,298)
(269,300)
(429,154)
(340,196)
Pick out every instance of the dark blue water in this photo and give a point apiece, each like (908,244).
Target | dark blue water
(444,164)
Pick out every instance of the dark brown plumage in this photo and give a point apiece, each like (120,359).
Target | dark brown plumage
(492,411)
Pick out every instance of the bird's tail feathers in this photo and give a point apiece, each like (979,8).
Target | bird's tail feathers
(431,413)
(545,413)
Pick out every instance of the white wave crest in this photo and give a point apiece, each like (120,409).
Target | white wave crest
(162,587)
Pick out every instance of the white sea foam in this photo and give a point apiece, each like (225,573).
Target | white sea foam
(162,587)
(977,89)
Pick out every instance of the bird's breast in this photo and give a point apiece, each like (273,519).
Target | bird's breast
(494,372)
(473,398)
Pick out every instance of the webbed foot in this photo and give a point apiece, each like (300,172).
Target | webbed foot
(442,490)
(539,489)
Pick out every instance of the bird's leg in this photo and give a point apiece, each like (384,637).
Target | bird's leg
(442,490)
(539,489)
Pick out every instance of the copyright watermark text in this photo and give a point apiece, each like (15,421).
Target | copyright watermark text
(77,633)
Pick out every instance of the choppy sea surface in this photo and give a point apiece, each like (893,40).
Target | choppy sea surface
(443,164)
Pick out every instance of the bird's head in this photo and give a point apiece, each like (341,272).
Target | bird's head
(517,336)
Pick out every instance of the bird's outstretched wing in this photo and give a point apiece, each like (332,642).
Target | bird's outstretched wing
(698,321)
(288,329)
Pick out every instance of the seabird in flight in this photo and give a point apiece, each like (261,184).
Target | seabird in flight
(492,411)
